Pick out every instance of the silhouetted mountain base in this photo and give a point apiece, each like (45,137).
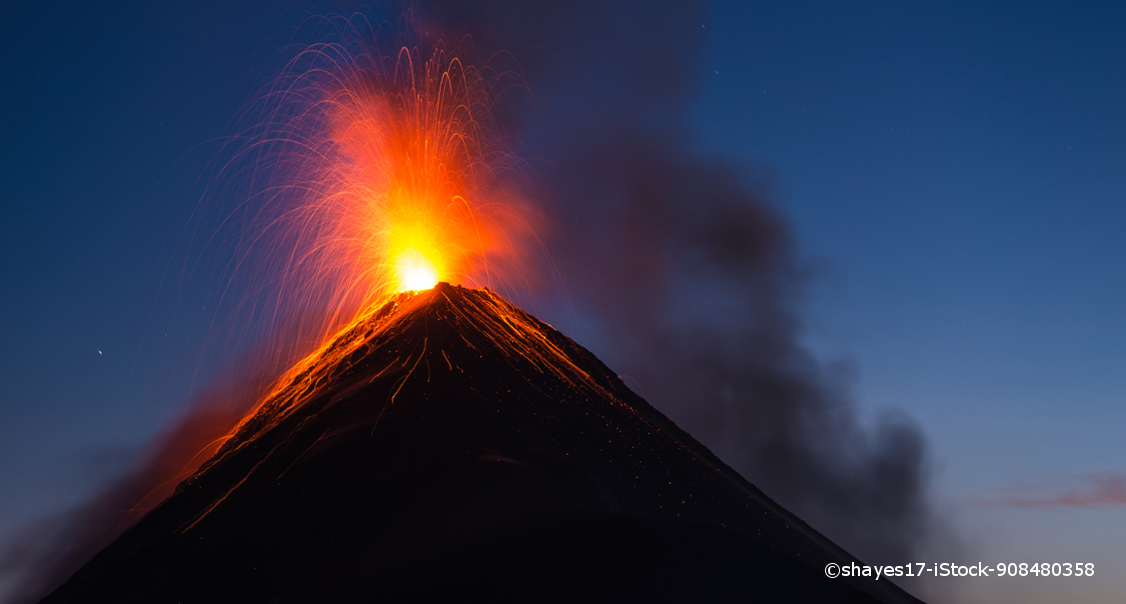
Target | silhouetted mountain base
(450,447)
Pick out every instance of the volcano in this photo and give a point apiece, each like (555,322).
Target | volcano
(448,446)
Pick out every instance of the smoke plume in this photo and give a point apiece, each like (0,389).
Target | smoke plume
(690,279)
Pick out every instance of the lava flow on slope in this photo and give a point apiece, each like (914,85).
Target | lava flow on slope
(449,445)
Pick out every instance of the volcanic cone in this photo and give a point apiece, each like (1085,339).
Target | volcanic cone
(448,446)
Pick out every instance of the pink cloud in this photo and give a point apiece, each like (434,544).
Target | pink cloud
(1091,490)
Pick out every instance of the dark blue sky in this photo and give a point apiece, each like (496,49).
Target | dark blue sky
(955,175)
(106,119)
(958,176)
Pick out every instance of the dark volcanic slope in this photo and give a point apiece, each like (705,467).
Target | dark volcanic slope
(451,446)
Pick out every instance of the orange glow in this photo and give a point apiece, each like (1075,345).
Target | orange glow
(410,189)
(382,167)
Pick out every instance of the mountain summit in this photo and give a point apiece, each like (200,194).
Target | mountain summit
(450,447)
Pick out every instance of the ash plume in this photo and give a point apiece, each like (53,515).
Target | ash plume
(689,277)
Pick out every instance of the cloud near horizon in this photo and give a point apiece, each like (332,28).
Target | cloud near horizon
(1090,490)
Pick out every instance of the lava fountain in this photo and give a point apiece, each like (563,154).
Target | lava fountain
(378,164)
(404,198)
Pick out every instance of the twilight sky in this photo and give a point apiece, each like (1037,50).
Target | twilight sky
(955,177)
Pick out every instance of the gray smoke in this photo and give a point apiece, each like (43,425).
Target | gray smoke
(689,275)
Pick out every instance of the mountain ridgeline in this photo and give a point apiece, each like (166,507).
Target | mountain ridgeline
(449,446)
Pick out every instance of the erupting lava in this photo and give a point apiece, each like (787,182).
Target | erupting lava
(378,165)
(415,271)
(406,195)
